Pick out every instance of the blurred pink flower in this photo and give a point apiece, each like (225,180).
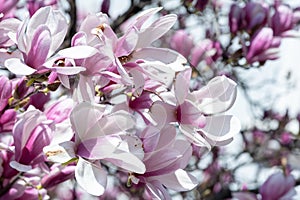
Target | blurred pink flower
(256,16)
(263,46)
(278,186)
(182,42)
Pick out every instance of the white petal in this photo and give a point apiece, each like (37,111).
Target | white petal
(78,52)
(90,177)
(83,116)
(20,167)
(127,161)
(60,153)
(155,30)
(182,84)
(17,67)
(218,96)
(180,180)
(193,136)
(85,90)
(221,128)
(167,56)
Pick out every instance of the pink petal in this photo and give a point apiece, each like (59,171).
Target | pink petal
(116,123)
(155,30)
(163,113)
(98,148)
(126,44)
(39,48)
(145,15)
(68,70)
(54,20)
(60,153)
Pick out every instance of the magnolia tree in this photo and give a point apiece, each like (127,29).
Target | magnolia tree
(136,106)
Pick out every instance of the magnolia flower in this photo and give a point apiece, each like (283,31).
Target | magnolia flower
(103,139)
(165,158)
(263,46)
(207,50)
(6,6)
(31,133)
(256,16)
(125,59)
(282,21)
(236,15)
(194,111)
(278,186)
(38,38)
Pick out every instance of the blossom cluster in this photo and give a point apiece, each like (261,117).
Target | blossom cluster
(126,107)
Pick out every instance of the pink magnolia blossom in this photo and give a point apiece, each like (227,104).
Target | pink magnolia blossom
(182,43)
(31,133)
(236,16)
(207,50)
(37,39)
(103,138)
(193,111)
(6,6)
(256,16)
(283,21)
(278,186)
(128,60)
(264,46)
(164,163)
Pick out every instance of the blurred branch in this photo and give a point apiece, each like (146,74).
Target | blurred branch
(72,12)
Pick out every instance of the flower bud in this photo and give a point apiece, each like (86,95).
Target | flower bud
(235,18)
(256,16)
(282,20)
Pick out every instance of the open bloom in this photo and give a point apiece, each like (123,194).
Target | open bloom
(165,158)
(104,138)
(130,58)
(194,111)
(31,133)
